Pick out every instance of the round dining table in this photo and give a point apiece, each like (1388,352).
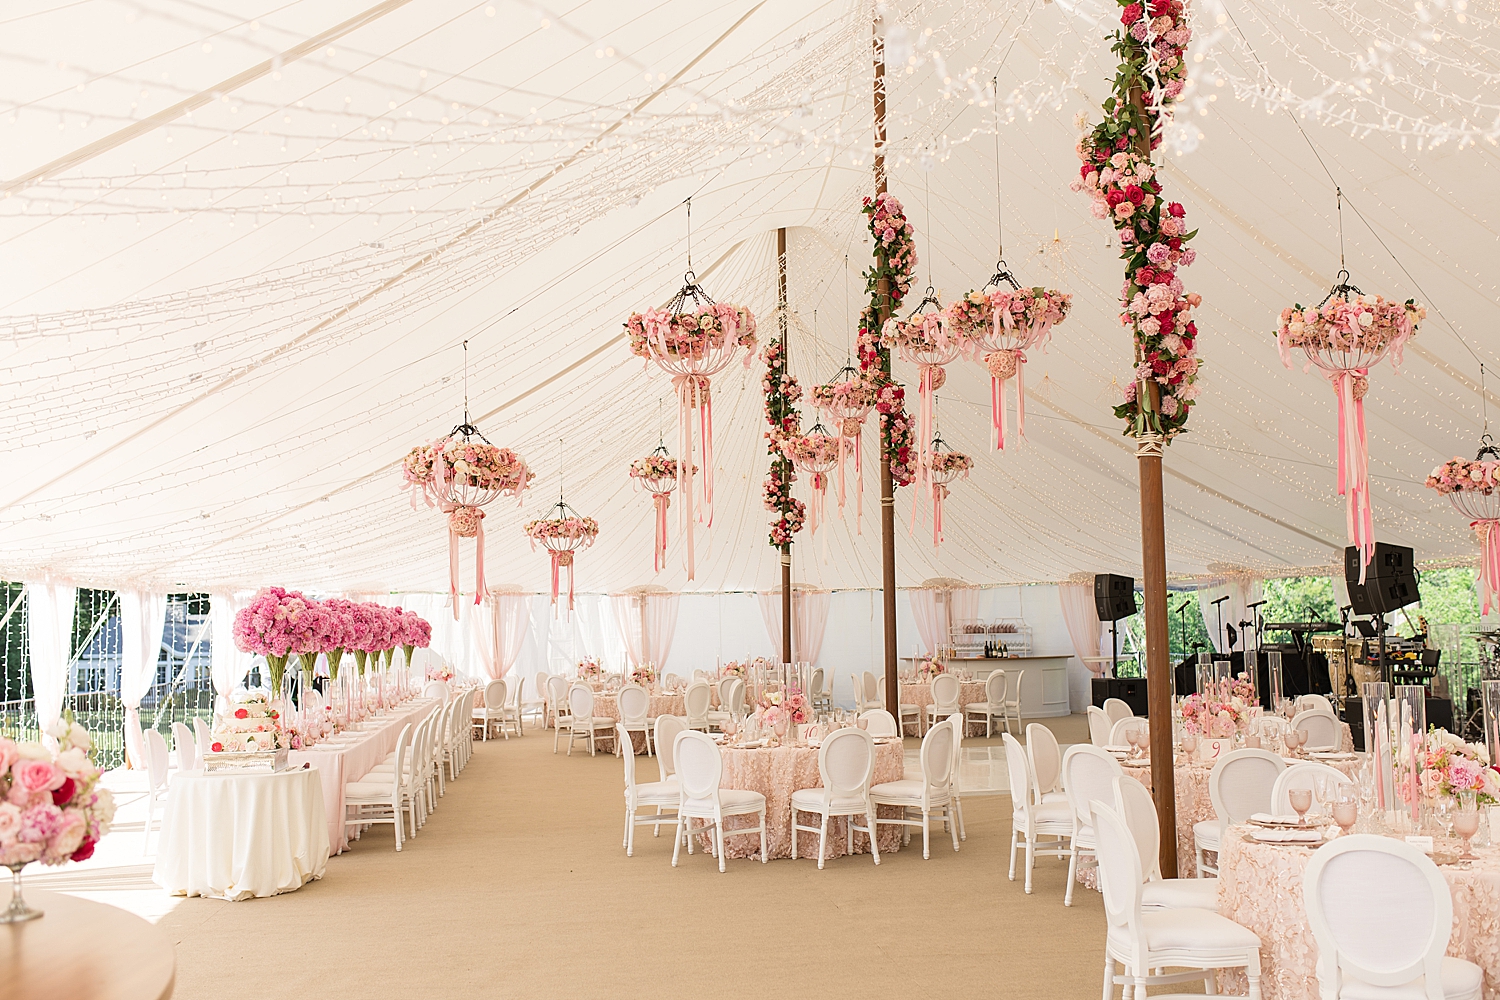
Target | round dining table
(1260,887)
(920,695)
(608,706)
(777,772)
(80,948)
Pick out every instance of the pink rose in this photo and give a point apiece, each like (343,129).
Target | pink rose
(10,823)
(37,775)
(8,754)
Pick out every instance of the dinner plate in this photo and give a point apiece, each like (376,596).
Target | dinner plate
(1333,755)
(1291,838)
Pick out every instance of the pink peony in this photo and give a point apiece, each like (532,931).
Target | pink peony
(41,823)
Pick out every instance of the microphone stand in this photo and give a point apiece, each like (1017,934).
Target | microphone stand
(1218,608)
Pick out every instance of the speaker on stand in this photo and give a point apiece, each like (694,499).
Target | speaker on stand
(1114,598)
(1390,584)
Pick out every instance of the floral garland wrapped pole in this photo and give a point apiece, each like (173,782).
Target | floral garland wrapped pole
(782,393)
(1346,335)
(1474,490)
(846,400)
(562,534)
(693,339)
(1122,181)
(657,472)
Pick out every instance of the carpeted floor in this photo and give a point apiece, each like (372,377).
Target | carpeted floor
(518,887)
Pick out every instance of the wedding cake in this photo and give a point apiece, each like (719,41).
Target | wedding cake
(250,726)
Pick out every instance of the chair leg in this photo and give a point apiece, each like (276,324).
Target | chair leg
(677,841)
(926,835)
(874,845)
(1013,845)
(958,808)
(1030,860)
(1072,871)
(953,824)
(763,858)
(794,834)
(719,841)
(1109,978)
(823,842)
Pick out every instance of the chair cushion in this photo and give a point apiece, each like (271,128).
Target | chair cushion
(1181,894)
(1052,812)
(907,790)
(367,790)
(732,801)
(811,799)
(981,706)
(1461,981)
(1050,797)
(1206,834)
(654,793)
(1188,929)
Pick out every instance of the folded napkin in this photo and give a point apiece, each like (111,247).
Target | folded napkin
(1117,749)
(1292,836)
(1268,818)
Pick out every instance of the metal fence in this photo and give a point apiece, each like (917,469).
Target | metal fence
(181,691)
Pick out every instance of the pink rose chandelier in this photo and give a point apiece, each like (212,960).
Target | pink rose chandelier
(817,452)
(944,466)
(923,339)
(657,473)
(563,533)
(846,400)
(1473,488)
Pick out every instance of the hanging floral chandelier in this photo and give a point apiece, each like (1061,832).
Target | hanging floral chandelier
(1346,335)
(657,472)
(997,326)
(846,400)
(815,452)
(1474,490)
(944,466)
(693,339)
(923,339)
(562,534)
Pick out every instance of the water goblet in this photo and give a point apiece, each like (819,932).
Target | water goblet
(1466,821)
(862,722)
(1293,739)
(1321,789)
(729,726)
(1189,743)
(1301,800)
(1346,807)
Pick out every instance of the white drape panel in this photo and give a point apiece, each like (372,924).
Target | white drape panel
(512,619)
(963,605)
(1081,616)
(49,629)
(483,660)
(143,618)
(809,621)
(930,615)
(596,628)
(659,628)
(228,666)
(1242,591)
(627,611)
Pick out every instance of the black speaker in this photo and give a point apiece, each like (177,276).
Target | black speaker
(1114,596)
(1390,579)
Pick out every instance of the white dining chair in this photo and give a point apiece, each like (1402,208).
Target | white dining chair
(1117,709)
(1044,761)
(1014,680)
(858,686)
(699,770)
(387,796)
(585,724)
(1311,702)
(1099,726)
(993,704)
(1041,827)
(557,695)
(846,762)
(1087,773)
(664,737)
(910,712)
(946,692)
(1117,732)
(643,795)
(819,699)
(957,722)
(731,702)
(873,696)
(184,747)
(435,689)
(1303,774)
(929,794)
(1144,942)
(158,762)
(1382,915)
(1137,808)
(1239,786)
(634,704)
(493,709)
(535,706)
(696,703)
(1321,727)
(513,710)
(879,722)
(202,740)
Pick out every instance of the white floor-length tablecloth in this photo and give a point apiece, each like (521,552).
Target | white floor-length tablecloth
(236,836)
(349,757)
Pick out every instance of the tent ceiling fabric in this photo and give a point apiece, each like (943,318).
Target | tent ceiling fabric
(221,336)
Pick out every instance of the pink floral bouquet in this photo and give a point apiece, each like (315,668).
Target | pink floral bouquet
(590,670)
(954,462)
(1459,475)
(1213,715)
(1450,766)
(655,466)
(790,705)
(1367,325)
(52,809)
(922,337)
(733,669)
(928,668)
(1004,317)
(473,464)
(850,399)
(658,333)
(644,675)
(276,624)
(576,528)
(440,672)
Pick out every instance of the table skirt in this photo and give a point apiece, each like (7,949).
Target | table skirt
(236,836)
(608,706)
(920,695)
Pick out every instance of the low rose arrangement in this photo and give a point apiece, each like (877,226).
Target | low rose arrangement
(52,809)
(644,675)
(590,669)
(928,668)
(1450,765)
(1214,716)
(440,672)
(789,705)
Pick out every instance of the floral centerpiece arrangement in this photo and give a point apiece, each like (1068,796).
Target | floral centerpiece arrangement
(784,704)
(733,668)
(440,672)
(1451,766)
(590,670)
(929,667)
(52,809)
(644,675)
(1221,711)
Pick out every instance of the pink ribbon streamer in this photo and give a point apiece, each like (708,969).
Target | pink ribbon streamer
(479,588)
(1354,464)
(924,429)
(662,501)
(997,403)
(939,494)
(560,560)
(693,395)
(1489,561)
(815,508)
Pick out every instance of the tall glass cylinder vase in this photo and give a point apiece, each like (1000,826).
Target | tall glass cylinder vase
(1275,679)
(1490,697)
(1411,732)
(1376,696)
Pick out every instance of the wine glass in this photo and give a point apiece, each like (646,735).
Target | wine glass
(862,722)
(729,726)
(1346,806)
(1321,789)
(1301,799)
(1466,821)
(1189,743)
(1293,740)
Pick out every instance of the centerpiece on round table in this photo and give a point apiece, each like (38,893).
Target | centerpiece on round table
(644,675)
(52,809)
(440,672)
(1471,488)
(590,670)
(782,711)
(929,667)
(562,534)
(1222,712)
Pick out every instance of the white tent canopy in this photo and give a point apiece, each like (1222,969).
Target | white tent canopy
(221,332)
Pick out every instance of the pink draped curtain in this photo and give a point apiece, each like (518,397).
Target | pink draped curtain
(511,614)
(659,628)
(809,620)
(931,617)
(1081,616)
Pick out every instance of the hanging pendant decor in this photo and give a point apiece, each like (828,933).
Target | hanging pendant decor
(923,339)
(657,472)
(997,325)
(816,453)
(562,534)
(846,400)
(1474,490)
(945,466)
(1346,335)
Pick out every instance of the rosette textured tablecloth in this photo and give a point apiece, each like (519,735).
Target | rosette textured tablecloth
(777,772)
(349,756)
(1260,887)
(920,695)
(608,705)
(236,836)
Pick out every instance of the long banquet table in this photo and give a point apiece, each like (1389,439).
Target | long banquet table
(351,755)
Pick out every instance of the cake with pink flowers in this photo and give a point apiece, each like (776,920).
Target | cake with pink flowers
(250,725)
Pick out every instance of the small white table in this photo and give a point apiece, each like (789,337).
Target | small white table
(237,836)
(80,948)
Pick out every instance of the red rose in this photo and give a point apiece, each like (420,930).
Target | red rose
(1175,243)
(241,713)
(1135,193)
(63,794)
(1085,170)
(84,852)
(1167,322)
(1131,13)
(1114,198)
(1175,210)
(1191,328)
(1145,276)
(217,748)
